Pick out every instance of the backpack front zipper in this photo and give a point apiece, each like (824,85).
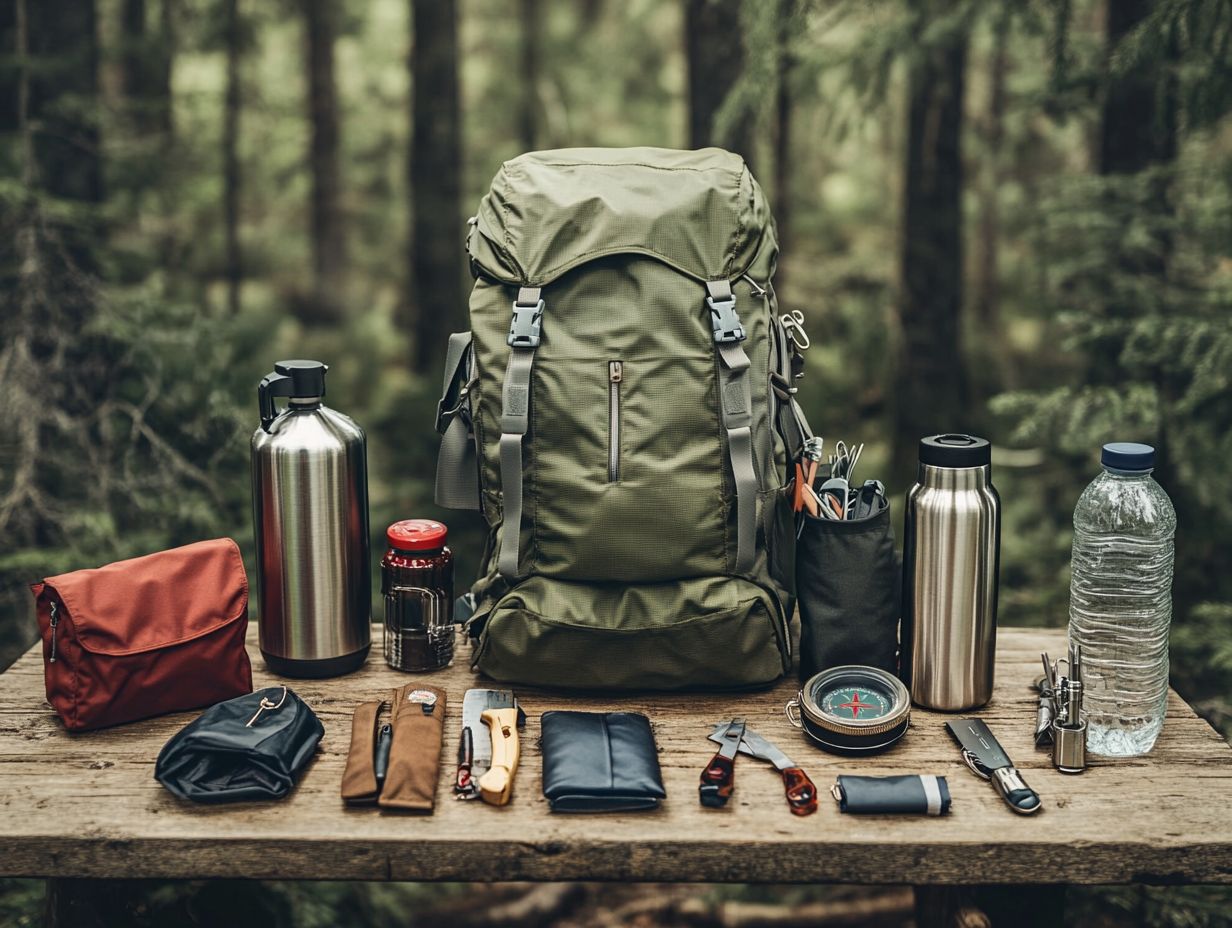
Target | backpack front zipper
(55,621)
(615,374)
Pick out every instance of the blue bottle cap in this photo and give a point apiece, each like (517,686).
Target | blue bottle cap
(1128,456)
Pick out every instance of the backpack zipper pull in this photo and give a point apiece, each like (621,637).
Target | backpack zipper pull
(55,621)
(758,290)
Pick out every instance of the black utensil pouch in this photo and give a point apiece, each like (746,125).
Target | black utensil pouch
(847,586)
(250,747)
(600,762)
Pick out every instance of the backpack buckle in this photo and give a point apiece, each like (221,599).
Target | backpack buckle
(725,320)
(524,329)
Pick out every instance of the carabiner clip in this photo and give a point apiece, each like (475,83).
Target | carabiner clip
(793,325)
(976,767)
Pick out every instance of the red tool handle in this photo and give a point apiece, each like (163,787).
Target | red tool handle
(717,782)
(801,793)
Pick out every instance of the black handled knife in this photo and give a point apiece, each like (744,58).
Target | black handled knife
(987,759)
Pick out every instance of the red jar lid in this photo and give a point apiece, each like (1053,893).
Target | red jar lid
(416,535)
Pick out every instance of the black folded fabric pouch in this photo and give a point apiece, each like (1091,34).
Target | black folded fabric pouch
(250,747)
(600,762)
(909,794)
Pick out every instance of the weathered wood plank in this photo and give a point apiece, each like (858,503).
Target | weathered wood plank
(88,806)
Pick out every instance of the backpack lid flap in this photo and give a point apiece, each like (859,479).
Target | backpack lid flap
(548,212)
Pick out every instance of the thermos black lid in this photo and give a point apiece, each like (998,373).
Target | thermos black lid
(1128,456)
(307,377)
(954,449)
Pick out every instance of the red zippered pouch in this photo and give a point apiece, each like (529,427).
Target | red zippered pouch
(143,637)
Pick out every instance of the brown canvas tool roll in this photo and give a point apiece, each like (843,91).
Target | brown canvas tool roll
(418,714)
(359,783)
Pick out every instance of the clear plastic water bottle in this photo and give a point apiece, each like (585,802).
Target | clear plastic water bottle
(1120,600)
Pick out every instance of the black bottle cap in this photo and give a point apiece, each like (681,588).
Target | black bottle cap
(1128,456)
(307,377)
(954,449)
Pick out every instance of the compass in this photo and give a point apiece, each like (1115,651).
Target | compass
(852,709)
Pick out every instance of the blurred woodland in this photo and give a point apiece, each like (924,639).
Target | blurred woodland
(1012,217)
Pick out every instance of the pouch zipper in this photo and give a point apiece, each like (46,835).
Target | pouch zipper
(55,622)
(615,374)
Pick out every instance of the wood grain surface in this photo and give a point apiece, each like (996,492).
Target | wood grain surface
(87,805)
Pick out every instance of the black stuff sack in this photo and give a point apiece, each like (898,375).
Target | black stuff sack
(250,747)
(847,587)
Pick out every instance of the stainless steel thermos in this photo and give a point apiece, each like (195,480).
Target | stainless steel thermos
(951,558)
(310,509)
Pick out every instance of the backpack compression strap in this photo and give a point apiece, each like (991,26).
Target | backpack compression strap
(515,418)
(457,468)
(736,401)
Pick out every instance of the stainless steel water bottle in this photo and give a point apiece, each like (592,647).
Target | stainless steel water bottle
(951,558)
(310,509)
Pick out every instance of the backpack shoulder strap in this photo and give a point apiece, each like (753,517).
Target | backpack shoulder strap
(736,403)
(515,419)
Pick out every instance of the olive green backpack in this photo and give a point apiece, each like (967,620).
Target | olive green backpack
(621,412)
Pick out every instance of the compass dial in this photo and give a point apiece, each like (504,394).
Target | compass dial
(854,702)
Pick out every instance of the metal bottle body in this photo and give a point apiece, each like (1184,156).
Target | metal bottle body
(310,508)
(951,561)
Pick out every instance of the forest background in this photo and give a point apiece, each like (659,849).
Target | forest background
(1012,217)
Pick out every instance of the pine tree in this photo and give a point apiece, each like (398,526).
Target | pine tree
(329,242)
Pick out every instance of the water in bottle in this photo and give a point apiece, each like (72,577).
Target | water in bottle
(1121,600)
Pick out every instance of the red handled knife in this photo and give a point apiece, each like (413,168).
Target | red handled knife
(719,778)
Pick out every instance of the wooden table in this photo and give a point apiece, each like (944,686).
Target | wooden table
(87,805)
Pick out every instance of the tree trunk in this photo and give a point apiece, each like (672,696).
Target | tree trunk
(714,56)
(63,44)
(992,359)
(134,56)
(986,302)
(788,15)
(233,39)
(1138,131)
(167,38)
(12,78)
(435,296)
(145,67)
(328,234)
(66,141)
(931,386)
(1138,126)
(528,116)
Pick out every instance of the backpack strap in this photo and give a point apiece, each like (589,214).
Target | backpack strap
(457,466)
(736,402)
(789,418)
(515,419)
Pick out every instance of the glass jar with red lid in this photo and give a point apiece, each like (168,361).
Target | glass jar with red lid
(417,583)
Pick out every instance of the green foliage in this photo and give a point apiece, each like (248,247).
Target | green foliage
(1194,38)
